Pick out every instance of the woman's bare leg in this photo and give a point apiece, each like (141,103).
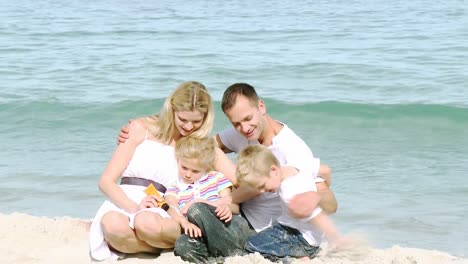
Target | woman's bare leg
(120,236)
(156,231)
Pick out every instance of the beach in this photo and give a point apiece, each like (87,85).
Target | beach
(376,89)
(28,239)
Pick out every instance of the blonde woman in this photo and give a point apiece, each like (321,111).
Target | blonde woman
(130,221)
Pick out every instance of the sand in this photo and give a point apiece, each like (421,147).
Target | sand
(30,239)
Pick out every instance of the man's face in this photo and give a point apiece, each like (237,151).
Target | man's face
(246,118)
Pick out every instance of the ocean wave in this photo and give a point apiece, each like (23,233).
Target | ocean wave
(53,106)
(365,110)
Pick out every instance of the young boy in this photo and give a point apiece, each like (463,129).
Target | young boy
(258,168)
(197,195)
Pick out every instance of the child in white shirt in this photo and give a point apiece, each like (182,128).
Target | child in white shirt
(258,167)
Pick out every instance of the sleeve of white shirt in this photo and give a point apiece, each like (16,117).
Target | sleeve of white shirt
(299,155)
(232,139)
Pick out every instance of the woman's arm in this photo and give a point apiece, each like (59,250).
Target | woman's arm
(116,166)
(225,197)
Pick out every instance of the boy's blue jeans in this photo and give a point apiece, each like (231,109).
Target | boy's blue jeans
(279,242)
(219,239)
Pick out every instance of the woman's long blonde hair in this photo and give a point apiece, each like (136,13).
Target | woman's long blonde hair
(189,96)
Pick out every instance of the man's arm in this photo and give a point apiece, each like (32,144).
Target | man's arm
(325,173)
(123,135)
(221,145)
(327,198)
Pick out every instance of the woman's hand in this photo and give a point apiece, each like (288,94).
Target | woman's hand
(150,202)
(223,213)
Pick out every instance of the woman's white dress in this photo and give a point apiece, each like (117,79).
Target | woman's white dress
(151,160)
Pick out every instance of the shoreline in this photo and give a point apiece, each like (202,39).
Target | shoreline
(28,239)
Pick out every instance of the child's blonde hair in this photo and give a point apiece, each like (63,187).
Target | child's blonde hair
(202,149)
(254,161)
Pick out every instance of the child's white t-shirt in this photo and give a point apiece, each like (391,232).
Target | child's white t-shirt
(290,187)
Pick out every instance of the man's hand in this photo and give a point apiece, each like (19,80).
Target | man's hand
(123,135)
(325,173)
(327,198)
(302,205)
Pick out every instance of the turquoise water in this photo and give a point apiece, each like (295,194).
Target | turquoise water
(376,88)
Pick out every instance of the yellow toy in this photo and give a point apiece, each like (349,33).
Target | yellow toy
(151,190)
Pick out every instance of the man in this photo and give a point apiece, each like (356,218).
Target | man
(252,125)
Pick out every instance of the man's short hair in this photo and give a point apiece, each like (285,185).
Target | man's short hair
(233,91)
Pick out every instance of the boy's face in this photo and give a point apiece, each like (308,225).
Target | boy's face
(269,183)
(190,170)
(247,119)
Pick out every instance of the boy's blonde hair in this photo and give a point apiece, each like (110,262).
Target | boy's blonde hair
(254,161)
(202,149)
(189,96)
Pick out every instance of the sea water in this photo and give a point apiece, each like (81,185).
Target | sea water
(377,89)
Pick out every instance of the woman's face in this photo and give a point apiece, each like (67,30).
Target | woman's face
(186,122)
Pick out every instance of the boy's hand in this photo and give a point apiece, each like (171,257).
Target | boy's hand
(123,135)
(223,213)
(190,229)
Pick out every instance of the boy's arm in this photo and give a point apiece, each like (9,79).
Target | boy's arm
(325,224)
(303,204)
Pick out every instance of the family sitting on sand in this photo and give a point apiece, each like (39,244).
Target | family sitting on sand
(282,189)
